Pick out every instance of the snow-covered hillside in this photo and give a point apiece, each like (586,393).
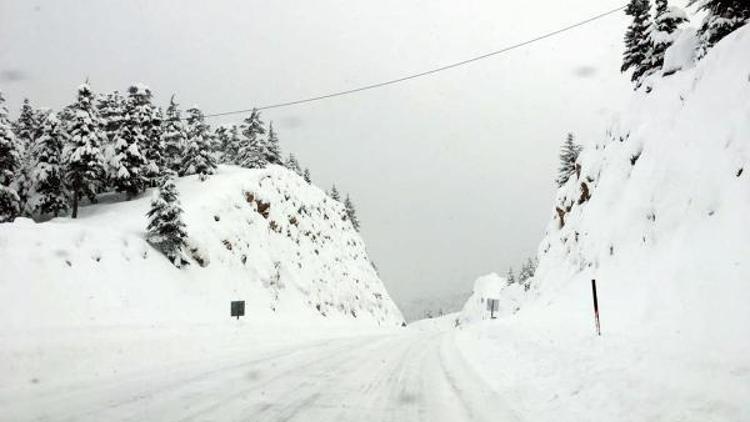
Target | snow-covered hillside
(658,214)
(263,236)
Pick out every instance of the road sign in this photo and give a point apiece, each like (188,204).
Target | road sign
(238,308)
(493,305)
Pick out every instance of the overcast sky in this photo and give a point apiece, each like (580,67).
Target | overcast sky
(453,174)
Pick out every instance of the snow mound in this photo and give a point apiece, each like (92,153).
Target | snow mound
(263,236)
(491,286)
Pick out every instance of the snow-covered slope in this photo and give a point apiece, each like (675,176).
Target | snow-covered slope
(263,236)
(659,212)
(658,215)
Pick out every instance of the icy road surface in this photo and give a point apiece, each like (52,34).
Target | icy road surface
(408,376)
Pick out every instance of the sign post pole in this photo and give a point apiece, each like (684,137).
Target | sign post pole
(492,306)
(596,307)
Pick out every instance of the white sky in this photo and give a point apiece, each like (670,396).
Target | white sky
(453,174)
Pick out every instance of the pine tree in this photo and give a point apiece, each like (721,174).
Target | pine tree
(173,136)
(145,120)
(723,17)
(510,276)
(130,168)
(27,125)
(48,171)
(663,31)
(568,156)
(231,150)
(26,129)
(334,194)
(166,230)
(10,162)
(221,137)
(272,150)
(111,108)
(523,274)
(293,165)
(306,175)
(83,158)
(528,269)
(228,140)
(198,158)
(638,48)
(351,213)
(251,151)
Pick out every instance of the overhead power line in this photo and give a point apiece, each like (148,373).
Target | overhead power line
(426,72)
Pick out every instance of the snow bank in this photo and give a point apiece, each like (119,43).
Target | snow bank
(491,286)
(263,236)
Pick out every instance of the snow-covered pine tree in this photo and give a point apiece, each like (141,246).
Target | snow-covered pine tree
(147,119)
(129,164)
(251,151)
(199,158)
(723,17)
(10,162)
(528,269)
(306,175)
(166,230)
(26,129)
(293,165)
(351,212)
(231,150)
(111,108)
(84,163)
(174,136)
(664,30)
(334,193)
(568,155)
(638,48)
(27,125)
(50,196)
(523,274)
(272,149)
(510,276)
(221,139)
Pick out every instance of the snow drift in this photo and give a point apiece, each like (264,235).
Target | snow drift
(263,236)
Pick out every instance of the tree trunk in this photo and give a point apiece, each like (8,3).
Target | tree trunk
(75,205)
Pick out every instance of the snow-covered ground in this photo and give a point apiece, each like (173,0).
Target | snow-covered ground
(408,374)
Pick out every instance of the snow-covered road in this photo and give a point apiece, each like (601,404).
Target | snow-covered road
(409,376)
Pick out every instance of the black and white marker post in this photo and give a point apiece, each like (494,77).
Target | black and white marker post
(596,308)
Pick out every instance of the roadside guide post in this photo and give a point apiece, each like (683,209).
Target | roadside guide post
(596,308)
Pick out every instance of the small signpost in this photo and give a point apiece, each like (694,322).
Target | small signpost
(596,308)
(238,308)
(493,305)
